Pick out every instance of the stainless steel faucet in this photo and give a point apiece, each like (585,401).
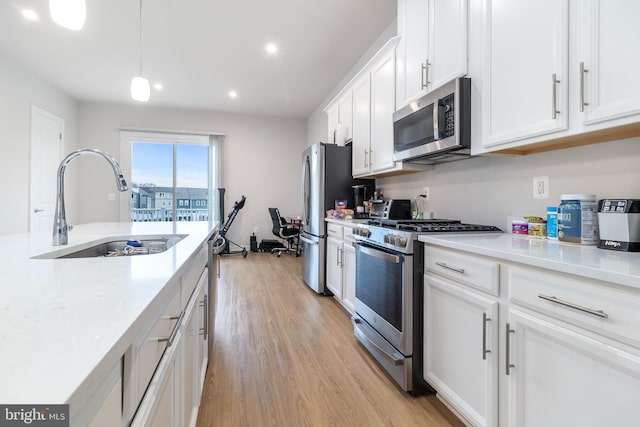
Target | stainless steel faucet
(60,226)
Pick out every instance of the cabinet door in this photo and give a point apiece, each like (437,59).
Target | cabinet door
(334,266)
(461,349)
(561,377)
(349,277)
(526,46)
(205,310)
(346,121)
(447,41)
(333,118)
(361,126)
(413,20)
(608,30)
(382,108)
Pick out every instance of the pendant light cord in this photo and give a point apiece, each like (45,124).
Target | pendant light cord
(140,40)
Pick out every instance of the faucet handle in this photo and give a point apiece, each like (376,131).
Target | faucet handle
(69,227)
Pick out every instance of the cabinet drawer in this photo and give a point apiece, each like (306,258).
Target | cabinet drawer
(348,236)
(334,230)
(153,347)
(603,308)
(192,273)
(476,272)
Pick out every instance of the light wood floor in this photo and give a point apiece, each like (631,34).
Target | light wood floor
(284,356)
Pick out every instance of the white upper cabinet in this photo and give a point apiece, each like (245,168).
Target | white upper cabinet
(361,126)
(555,70)
(339,117)
(607,64)
(382,108)
(433,46)
(526,69)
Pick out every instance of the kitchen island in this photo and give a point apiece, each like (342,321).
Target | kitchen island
(65,323)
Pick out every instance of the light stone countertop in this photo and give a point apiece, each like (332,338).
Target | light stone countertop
(347,222)
(621,268)
(65,323)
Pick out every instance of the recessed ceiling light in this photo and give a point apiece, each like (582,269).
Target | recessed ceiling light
(233,94)
(271,48)
(157,86)
(29,15)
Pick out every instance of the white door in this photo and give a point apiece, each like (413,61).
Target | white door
(334,266)
(561,377)
(47,133)
(349,279)
(526,47)
(609,32)
(345,128)
(461,349)
(447,41)
(383,95)
(333,118)
(413,26)
(361,126)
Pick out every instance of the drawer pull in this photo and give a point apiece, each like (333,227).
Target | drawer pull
(556,300)
(176,328)
(485,350)
(509,365)
(448,267)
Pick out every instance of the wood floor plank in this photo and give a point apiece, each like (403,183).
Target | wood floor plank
(284,356)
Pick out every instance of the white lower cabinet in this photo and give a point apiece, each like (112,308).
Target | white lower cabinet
(461,348)
(561,376)
(341,264)
(536,348)
(110,412)
(172,396)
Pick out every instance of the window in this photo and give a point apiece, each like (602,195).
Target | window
(173,172)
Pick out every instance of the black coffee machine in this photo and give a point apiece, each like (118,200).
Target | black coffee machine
(361,194)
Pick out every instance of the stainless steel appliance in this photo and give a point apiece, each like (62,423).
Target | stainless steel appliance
(388,319)
(326,177)
(435,128)
(361,194)
(391,209)
(619,223)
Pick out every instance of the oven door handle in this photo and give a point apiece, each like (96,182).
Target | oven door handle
(379,254)
(395,357)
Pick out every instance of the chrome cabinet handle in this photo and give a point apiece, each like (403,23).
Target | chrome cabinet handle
(335,131)
(176,328)
(205,304)
(337,256)
(448,267)
(509,331)
(554,93)
(556,300)
(370,158)
(485,350)
(423,72)
(583,71)
(366,153)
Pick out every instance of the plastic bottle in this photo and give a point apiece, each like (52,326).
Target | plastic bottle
(552,222)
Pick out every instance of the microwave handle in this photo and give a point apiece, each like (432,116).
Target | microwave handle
(436,119)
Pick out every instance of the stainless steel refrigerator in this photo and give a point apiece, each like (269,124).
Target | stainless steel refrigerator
(326,177)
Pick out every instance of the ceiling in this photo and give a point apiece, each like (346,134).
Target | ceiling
(200,50)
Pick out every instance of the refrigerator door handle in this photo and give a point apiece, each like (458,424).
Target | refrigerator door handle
(308,241)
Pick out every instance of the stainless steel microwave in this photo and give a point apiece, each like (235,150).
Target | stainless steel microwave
(437,127)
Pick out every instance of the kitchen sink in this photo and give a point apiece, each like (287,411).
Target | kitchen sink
(117,246)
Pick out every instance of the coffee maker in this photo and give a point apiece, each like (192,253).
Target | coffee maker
(362,193)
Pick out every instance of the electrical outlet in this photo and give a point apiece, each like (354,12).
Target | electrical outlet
(255,230)
(540,187)
(426,193)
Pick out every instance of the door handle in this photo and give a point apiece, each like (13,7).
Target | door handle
(554,96)
(485,350)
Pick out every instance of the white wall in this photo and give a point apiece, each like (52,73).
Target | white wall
(488,190)
(19,89)
(317,122)
(261,160)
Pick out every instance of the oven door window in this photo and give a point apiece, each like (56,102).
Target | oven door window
(379,282)
(414,130)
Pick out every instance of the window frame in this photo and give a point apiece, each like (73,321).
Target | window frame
(213,141)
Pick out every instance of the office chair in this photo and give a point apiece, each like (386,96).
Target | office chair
(284,230)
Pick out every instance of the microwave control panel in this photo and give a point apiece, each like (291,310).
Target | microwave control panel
(449,116)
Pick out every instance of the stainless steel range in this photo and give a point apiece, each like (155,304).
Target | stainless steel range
(388,319)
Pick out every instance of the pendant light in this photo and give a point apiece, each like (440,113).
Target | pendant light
(68,13)
(140,89)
